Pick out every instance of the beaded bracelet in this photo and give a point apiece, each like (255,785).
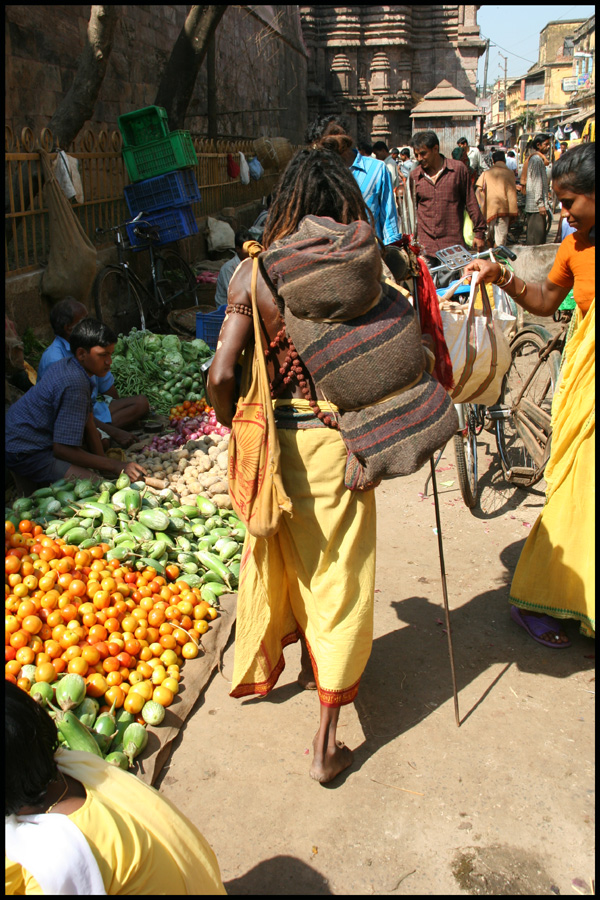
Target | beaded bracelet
(239,308)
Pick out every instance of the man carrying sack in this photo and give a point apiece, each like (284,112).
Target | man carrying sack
(310,576)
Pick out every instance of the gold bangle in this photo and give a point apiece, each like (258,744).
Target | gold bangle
(502,279)
(521,292)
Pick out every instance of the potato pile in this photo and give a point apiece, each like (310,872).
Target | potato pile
(198,468)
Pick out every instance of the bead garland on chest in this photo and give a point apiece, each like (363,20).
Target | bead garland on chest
(293,369)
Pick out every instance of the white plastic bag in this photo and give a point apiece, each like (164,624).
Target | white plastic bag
(479,351)
(221,235)
(503,312)
(244,170)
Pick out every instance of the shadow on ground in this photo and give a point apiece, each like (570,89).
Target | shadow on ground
(411,664)
(281,875)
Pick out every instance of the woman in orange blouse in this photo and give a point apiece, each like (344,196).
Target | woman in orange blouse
(555,576)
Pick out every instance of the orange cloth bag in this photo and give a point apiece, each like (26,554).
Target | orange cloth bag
(254,470)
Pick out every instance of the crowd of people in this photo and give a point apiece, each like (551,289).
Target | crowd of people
(313,580)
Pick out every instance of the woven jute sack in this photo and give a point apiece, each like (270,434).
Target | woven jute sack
(273,153)
(71,265)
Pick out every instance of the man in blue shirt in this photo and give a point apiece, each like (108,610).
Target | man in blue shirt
(371,175)
(228,268)
(112,414)
(47,428)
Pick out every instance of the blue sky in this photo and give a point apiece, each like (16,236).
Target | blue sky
(516,32)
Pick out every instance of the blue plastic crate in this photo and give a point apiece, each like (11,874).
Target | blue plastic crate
(208,326)
(173,189)
(172,224)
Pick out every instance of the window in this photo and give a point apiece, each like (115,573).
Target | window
(534,90)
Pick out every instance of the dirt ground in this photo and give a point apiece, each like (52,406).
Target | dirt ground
(500,805)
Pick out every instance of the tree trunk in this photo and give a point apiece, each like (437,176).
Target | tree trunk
(179,77)
(78,105)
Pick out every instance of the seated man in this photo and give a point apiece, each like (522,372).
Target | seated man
(228,268)
(46,429)
(113,414)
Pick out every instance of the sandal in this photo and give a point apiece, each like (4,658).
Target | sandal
(536,626)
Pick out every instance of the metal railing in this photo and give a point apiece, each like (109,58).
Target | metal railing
(103,177)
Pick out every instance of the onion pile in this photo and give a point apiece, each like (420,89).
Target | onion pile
(188,429)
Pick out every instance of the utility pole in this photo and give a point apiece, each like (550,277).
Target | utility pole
(485,75)
(505,58)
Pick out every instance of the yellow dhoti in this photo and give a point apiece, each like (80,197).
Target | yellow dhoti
(556,570)
(315,576)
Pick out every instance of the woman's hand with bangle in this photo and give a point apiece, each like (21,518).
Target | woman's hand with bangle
(490,271)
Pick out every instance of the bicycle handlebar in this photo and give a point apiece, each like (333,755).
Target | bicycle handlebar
(138,219)
(501,250)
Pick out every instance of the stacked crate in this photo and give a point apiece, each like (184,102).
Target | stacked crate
(163,185)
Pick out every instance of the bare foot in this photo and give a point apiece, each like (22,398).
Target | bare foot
(306,679)
(327,765)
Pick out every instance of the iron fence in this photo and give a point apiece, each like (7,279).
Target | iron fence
(103,177)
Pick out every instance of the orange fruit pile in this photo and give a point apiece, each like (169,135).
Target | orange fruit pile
(126,632)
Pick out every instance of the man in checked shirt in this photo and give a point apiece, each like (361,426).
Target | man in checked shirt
(50,431)
(442,191)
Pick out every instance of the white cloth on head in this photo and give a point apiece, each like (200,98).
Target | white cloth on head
(53,849)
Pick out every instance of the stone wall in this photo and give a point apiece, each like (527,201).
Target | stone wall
(260,67)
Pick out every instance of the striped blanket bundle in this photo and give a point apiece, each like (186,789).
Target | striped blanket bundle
(360,340)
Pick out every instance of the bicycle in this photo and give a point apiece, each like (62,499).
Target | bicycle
(522,417)
(120,295)
(472,417)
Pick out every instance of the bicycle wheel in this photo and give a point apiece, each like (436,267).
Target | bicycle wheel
(523,431)
(117,301)
(465,450)
(175,281)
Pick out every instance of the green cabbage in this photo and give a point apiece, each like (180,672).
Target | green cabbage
(174,360)
(171,342)
(152,342)
(203,349)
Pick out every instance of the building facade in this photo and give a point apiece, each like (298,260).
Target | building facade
(538,100)
(375,63)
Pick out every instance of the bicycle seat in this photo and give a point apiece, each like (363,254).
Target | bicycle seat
(146,232)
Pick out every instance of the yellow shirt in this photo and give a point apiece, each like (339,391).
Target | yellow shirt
(141,843)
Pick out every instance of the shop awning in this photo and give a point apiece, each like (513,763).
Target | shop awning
(580,116)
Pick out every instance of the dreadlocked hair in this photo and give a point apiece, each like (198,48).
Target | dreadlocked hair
(316,182)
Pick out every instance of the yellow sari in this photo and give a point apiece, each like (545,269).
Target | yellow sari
(556,570)
(315,576)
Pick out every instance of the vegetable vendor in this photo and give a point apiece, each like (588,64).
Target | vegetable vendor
(113,414)
(75,824)
(50,431)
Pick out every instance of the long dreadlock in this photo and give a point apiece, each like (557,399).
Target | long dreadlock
(316,182)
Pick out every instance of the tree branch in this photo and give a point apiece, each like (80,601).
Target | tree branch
(179,77)
(79,103)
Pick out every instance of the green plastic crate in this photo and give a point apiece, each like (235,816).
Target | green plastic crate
(175,151)
(143,126)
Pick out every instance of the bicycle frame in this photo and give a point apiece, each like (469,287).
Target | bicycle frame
(154,295)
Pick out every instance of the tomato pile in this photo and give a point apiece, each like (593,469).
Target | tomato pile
(189,409)
(125,632)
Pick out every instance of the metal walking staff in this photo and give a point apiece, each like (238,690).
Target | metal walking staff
(438,522)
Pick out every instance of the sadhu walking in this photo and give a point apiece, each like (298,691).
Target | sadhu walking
(314,579)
